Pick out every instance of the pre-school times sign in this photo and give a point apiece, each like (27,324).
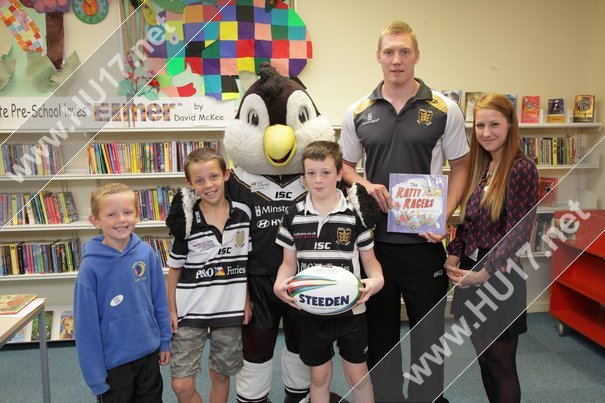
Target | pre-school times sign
(32,113)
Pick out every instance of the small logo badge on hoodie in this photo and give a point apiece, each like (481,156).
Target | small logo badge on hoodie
(139,268)
(116,300)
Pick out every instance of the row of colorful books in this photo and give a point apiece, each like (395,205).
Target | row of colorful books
(161,245)
(116,158)
(40,208)
(30,159)
(561,150)
(583,106)
(154,203)
(39,257)
(59,256)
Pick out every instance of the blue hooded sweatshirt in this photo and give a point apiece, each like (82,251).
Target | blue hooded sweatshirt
(120,308)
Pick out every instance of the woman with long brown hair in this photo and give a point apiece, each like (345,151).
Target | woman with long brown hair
(500,195)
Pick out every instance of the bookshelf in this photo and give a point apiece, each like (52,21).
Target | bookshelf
(578,275)
(77,178)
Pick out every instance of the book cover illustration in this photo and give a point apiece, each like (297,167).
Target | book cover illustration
(454,95)
(13,303)
(22,336)
(66,326)
(556,110)
(47,326)
(547,192)
(419,203)
(513,100)
(530,109)
(583,111)
(470,100)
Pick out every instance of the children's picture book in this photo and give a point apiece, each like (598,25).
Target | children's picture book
(556,110)
(13,303)
(454,95)
(547,192)
(583,111)
(66,325)
(22,336)
(513,100)
(47,326)
(419,203)
(470,99)
(530,109)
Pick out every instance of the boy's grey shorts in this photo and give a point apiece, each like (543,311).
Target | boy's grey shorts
(225,350)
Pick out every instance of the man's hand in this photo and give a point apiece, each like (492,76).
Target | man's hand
(381,195)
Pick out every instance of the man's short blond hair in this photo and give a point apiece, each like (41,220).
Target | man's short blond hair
(398,27)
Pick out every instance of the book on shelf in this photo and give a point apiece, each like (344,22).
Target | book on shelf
(454,95)
(539,231)
(530,109)
(48,325)
(67,327)
(583,111)
(556,110)
(13,303)
(22,336)
(470,99)
(513,100)
(71,212)
(547,191)
(419,203)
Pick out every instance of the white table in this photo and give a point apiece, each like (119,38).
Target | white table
(11,324)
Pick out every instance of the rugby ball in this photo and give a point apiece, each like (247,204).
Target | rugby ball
(323,290)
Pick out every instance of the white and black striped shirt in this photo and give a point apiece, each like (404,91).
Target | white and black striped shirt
(331,240)
(212,286)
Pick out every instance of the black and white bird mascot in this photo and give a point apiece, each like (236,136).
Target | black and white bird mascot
(275,121)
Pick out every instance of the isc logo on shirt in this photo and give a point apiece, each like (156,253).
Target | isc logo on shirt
(283,195)
(323,245)
(224,251)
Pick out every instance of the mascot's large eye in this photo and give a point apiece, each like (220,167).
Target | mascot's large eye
(253,118)
(303,114)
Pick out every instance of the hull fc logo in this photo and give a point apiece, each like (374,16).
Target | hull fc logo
(139,269)
(425,117)
(343,235)
(240,239)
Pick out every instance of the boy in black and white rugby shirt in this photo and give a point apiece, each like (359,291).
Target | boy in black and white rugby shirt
(325,230)
(207,293)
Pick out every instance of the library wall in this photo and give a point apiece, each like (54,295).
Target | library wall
(538,47)
(596,63)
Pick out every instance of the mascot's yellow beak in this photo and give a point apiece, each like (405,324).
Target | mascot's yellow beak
(280,145)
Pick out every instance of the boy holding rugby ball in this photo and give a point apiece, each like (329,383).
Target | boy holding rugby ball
(324,230)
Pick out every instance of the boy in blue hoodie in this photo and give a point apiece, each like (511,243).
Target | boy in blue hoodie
(120,305)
